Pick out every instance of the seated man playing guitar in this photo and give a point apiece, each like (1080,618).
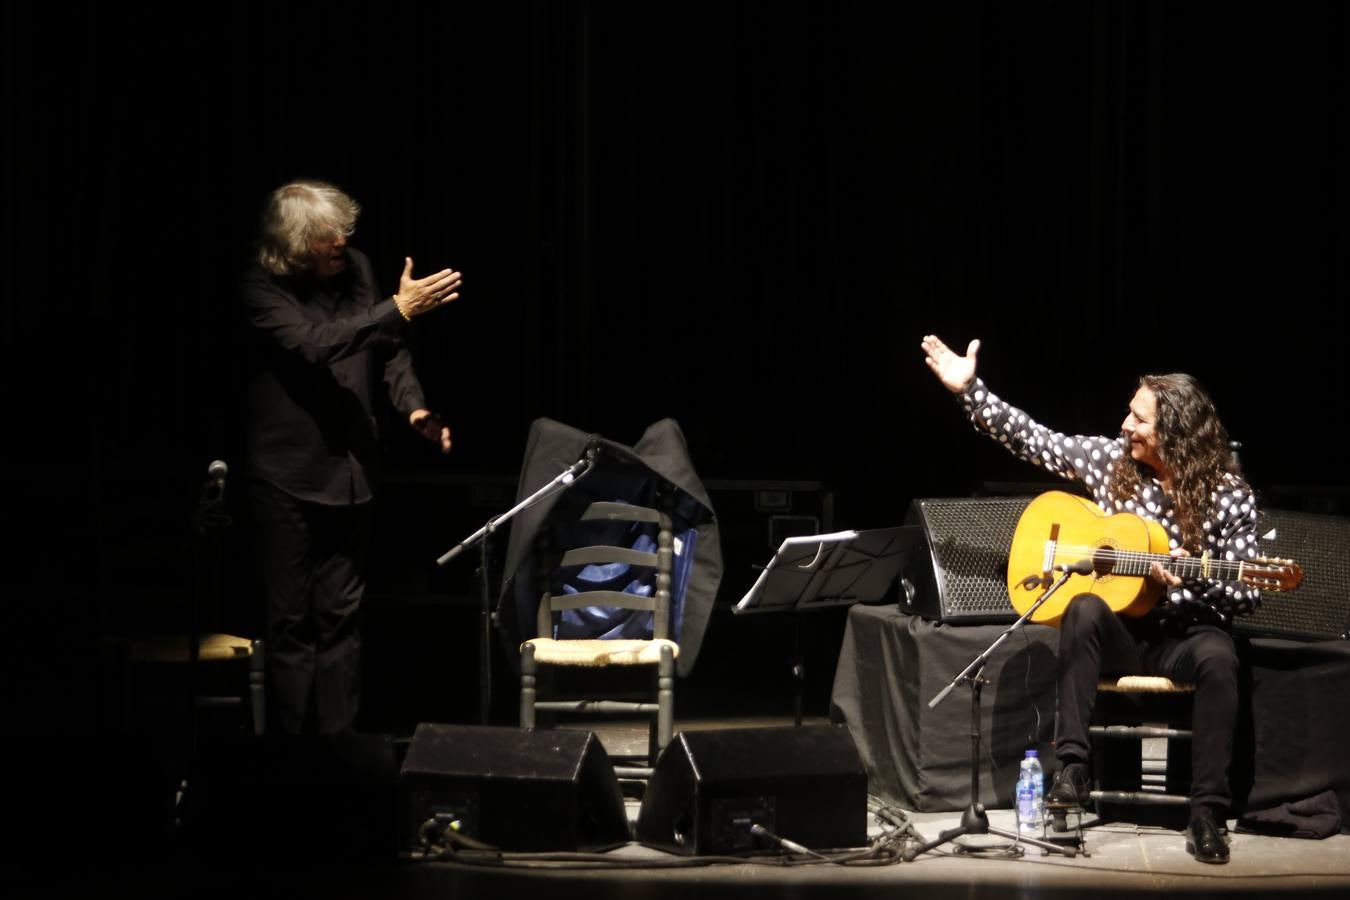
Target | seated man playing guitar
(1171,464)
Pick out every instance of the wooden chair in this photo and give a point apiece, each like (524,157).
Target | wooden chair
(659,651)
(226,673)
(169,661)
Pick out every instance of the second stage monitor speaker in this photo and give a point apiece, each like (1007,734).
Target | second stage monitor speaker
(804,784)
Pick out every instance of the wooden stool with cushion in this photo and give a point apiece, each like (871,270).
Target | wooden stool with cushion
(1129,711)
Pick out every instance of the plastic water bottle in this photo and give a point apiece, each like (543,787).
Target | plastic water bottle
(1030,795)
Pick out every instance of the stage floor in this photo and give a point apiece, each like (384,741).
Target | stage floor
(1122,861)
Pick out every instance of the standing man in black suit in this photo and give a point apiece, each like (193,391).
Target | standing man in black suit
(322,341)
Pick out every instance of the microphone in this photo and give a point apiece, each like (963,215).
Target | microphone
(584,464)
(1082,567)
(211,505)
(215,474)
(571,472)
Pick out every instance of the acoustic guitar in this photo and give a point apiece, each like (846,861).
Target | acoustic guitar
(1059,529)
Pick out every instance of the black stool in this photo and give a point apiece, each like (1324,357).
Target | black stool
(1128,711)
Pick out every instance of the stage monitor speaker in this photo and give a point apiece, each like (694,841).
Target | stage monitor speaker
(963,577)
(1319,609)
(515,788)
(804,784)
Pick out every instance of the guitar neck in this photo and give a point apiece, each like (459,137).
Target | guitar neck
(1127,562)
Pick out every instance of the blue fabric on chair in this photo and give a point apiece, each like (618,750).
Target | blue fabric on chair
(607,622)
(655,472)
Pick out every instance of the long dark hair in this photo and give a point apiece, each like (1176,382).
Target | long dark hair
(1194,446)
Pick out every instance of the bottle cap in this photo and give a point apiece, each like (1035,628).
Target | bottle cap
(1031,753)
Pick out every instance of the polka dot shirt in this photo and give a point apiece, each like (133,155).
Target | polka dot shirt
(1230,527)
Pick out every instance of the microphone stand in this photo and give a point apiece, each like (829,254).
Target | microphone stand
(564,480)
(208,519)
(975,820)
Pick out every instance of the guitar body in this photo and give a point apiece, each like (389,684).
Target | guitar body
(1061,529)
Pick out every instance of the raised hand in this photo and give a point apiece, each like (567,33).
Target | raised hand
(955,372)
(419,295)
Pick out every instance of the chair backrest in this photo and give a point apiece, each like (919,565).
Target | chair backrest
(643,576)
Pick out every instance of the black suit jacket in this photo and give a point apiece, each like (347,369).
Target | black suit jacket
(316,353)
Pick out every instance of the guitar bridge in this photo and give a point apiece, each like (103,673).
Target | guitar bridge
(1051,547)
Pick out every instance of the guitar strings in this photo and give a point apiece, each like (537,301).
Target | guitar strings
(1265,574)
(1124,558)
(1140,555)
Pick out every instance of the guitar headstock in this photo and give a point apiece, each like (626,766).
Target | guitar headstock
(1274,575)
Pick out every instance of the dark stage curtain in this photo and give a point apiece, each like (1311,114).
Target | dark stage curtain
(776,202)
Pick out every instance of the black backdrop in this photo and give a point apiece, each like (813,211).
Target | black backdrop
(777,201)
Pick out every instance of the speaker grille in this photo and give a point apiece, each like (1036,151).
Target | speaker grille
(1319,609)
(968,541)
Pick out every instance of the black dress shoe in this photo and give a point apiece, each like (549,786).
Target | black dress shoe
(1203,840)
(1070,787)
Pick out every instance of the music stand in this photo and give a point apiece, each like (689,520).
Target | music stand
(821,571)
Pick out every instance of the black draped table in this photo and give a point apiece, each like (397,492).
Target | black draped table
(1292,741)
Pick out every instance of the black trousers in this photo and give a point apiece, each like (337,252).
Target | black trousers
(1095,642)
(311,561)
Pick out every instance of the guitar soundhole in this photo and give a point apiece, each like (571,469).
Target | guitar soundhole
(1104,559)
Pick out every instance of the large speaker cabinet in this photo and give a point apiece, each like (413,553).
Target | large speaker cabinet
(962,579)
(1319,609)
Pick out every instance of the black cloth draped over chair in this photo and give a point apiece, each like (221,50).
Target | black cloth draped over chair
(619,568)
(658,461)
